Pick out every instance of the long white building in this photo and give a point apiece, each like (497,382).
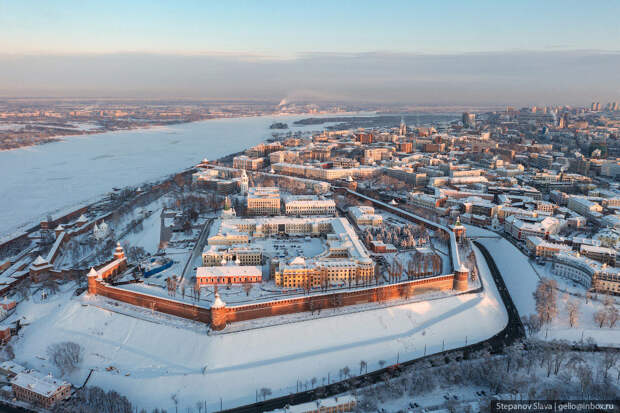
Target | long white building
(308,205)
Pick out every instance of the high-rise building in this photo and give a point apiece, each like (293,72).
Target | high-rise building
(563,121)
(469,119)
(403,128)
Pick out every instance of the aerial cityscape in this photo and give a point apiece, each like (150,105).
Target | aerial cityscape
(201,213)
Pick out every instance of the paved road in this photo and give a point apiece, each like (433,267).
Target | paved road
(197,251)
(513,331)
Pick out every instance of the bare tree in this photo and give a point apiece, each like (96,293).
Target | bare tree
(572,310)
(546,300)
(197,292)
(66,355)
(531,323)
(363,365)
(264,392)
(560,352)
(175,400)
(600,317)
(609,360)
(612,315)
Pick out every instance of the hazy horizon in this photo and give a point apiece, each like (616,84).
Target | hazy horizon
(400,52)
(519,77)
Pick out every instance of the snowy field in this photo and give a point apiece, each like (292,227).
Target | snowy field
(521,279)
(149,237)
(164,359)
(55,177)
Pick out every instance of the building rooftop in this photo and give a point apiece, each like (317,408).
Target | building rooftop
(38,383)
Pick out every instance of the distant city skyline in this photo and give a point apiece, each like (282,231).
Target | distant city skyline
(480,52)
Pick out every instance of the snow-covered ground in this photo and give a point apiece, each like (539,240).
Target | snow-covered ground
(55,177)
(521,277)
(155,361)
(149,237)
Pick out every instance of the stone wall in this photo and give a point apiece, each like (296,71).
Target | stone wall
(154,303)
(317,302)
(385,293)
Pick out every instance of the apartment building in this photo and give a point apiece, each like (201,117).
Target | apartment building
(308,205)
(247,163)
(263,201)
(600,254)
(583,206)
(541,248)
(39,389)
(214,255)
(521,229)
(365,215)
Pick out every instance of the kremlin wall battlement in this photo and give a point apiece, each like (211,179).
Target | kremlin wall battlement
(218,316)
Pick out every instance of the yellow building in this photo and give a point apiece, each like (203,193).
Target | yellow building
(263,201)
(301,273)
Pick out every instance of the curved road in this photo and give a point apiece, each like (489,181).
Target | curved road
(513,331)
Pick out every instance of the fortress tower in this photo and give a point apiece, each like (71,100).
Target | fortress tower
(119,253)
(92,281)
(461,279)
(459,230)
(218,313)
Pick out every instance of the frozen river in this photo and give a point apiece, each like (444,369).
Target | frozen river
(54,177)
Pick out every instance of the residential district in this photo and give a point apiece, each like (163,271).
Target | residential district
(334,224)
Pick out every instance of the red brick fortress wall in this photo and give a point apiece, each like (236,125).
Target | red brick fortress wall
(154,303)
(390,292)
(233,314)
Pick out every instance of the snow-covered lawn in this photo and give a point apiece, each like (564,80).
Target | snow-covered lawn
(149,237)
(521,280)
(157,360)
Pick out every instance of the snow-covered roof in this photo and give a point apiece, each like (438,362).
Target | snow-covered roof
(36,382)
(463,268)
(229,271)
(39,261)
(218,303)
(539,242)
(597,249)
(12,367)
(298,261)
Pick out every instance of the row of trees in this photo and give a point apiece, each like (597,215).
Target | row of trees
(608,314)
(528,370)
(546,298)
(96,400)
(406,236)
(176,285)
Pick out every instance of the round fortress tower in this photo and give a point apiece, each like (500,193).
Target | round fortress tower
(218,313)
